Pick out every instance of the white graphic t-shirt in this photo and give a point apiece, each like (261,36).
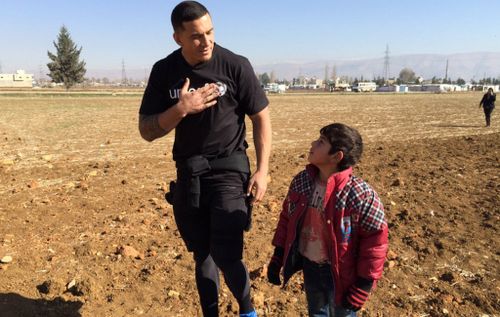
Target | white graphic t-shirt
(314,236)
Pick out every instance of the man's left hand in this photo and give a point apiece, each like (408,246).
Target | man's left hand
(258,186)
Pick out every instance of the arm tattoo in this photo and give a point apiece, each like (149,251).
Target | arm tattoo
(150,128)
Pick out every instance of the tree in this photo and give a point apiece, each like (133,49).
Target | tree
(264,79)
(272,77)
(407,75)
(379,81)
(334,73)
(65,66)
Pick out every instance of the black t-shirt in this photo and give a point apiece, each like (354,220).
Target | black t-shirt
(219,130)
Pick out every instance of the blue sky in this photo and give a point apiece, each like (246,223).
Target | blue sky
(139,32)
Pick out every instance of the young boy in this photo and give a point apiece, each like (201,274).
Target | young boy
(332,226)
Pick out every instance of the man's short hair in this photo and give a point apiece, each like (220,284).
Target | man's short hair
(346,139)
(186,11)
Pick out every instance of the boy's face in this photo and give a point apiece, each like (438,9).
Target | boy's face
(319,153)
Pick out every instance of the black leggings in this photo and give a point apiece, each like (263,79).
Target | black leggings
(207,281)
(487,114)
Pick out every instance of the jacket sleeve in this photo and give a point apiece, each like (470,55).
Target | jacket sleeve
(279,238)
(373,238)
(482,100)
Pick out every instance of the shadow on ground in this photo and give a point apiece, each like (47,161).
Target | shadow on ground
(447,125)
(15,305)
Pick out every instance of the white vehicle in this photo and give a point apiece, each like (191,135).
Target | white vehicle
(343,86)
(364,86)
(275,88)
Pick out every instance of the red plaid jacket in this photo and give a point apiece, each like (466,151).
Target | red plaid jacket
(356,221)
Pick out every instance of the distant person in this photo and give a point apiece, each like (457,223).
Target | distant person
(332,227)
(204,92)
(488,103)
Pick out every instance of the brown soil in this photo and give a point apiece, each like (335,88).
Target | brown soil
(78,187)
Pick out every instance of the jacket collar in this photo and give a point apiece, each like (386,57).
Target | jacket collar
(336,182)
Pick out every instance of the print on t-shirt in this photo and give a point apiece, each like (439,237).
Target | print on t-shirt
(175,91)
(313,235)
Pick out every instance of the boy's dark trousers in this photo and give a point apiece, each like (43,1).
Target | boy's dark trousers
(320,291)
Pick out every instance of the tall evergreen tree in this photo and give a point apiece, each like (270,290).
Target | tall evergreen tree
(66,66)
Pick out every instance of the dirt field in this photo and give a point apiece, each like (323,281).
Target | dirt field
(79,187)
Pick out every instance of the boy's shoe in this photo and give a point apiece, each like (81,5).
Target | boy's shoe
(250,314)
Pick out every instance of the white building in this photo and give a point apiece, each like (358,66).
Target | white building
(18,80)
(495,88)
(443,88)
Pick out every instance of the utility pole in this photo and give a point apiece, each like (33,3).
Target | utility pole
(124,75)
(40,74)
(446,73)
(326,73)
(386,63)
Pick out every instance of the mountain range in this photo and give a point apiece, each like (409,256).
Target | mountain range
(468,66)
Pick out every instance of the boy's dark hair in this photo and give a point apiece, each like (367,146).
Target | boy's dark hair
(346,139)
(186,11)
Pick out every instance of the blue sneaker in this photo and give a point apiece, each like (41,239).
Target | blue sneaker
(250,314)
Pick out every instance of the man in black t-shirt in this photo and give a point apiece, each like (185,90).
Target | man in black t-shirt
(204,92)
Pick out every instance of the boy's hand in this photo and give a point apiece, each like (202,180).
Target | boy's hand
(357,294)
(274,267)
(273,272)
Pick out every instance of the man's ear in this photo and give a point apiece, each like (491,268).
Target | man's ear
(177,38)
